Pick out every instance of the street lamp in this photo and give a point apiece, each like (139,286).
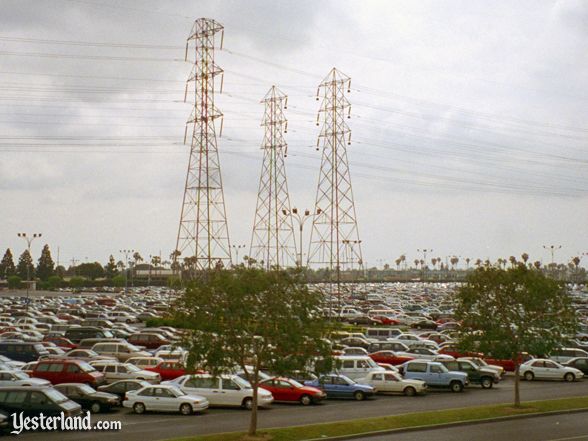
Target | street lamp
(351,243)
(29,239)
(552,249)
(126,253)
(301,218)
(237,248)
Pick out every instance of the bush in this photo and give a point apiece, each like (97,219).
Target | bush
(119,280)
(76,282)
(174,282)
(14,282)
(54,282)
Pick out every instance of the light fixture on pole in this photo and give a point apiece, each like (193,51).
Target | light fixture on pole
(29,240)
(301,218)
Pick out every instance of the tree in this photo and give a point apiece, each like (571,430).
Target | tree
(54,282)
(250,317)
(454,261)
(508,312)
(76,282)
(7,265)
(46,266)
(14,282)
(137,257)
(91,271)
(110,269)
(25,269)
(525,257)
(119,280)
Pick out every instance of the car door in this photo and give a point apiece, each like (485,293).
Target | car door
(277,390)
(435,375)
(164,399)
(231,392)
(5,379)
(539,369)
(392,383)
(110,373)
(377,380)
(552,370)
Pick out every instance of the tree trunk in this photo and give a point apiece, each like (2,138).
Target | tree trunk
(253,421)
(517,397)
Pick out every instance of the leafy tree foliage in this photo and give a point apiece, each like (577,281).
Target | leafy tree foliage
(91,270)
(119,280)
(54,282)
(46,266)
(508,312)
(14,282)
(249,317)
(7,267)
(25,268)
(111,269)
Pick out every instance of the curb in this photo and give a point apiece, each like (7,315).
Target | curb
(448,425)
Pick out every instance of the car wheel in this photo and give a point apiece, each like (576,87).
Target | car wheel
(95,407)
(186,409)
(248,403)
(569,377)
(487,383)
(305,400)
(139,408)
(456,386)
(529,376)
(359,395)
(410,391)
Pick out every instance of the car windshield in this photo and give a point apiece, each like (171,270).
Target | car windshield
(347,379)
(86,389)
(55,396)
(295,383)
(176,391)
(241,382)
(20,375)
(132,348)
(85,367)
(132,367)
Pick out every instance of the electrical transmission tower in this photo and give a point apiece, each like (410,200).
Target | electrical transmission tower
(334,240)
(203,235)
(272,241)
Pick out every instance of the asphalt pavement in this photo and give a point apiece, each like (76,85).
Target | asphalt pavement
(158,426)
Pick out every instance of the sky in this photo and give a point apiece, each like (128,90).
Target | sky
(469,121)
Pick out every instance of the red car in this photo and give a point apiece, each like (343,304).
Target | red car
(149,341)
(508,365)
(389,357)
(67,371)
(61,342)
(170,369)
(286,389)
(385,320)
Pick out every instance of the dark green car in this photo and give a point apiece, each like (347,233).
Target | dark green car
(477,375)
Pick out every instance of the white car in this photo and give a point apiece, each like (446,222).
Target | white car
(541,368)
(226,390)
(419,353)
(354,351)
(143,362)
(114,371)
(387,382)
(20,378)
(164,398)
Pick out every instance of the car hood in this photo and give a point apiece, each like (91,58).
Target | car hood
(36,381)
(310,390)
(104,396)
(414,382)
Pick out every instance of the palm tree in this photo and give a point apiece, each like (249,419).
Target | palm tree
(398,262)
(416,263)
(434,262)
(467,261)
(537,264)
(478,262)
(454,260)
(525,257)
(513,261)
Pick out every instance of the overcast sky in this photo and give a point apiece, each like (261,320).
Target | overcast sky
(469,120)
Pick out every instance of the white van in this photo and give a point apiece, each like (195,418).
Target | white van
(382,333)
(357,366)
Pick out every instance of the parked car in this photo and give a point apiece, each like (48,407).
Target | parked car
(340,386)
(390,357)
(476,375)
(164,398)
(114,371)
(78,334)
(149,341)
(88,398)
(31,401)
(170,369)
(144,362)
(434,374)
(121,387)
(580,363)
(67,371)
(483,364)
(387,346)
(382,333)
(226,390)
(354,351)
(85,355)
(564,354)
(356,366)
(20,378)
(286,389)
(392,382)
(21,351)
(545,369)
(420,353)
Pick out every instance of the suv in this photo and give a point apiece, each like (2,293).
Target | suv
(32,400)
(122,351)
(114,371)
(434,374)
(150,341)
(24,352)
(476,375)
(357,366)
(78,334)
(67,371)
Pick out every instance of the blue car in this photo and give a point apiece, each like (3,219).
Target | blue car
(340,386)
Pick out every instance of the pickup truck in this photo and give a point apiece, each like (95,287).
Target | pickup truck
(476,375)
(434,374)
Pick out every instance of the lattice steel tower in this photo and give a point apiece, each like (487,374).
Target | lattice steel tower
(334,240)
(203,234)
(272,241)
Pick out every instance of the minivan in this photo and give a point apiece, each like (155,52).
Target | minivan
(122,351)
(356,366)
(382,333)
(78,334)
(68,371)
(32,400)
(25,352)
(88,343)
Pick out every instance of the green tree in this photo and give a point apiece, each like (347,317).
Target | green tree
(110,270)
(507,312)
(54,282)
(46,266)
(76,282)
(119,280)
(14,282)
(250,317)
(89,270)
(7,267)
(25,269)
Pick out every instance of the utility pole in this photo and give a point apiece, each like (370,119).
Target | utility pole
(337,219)
(203,232)
(272,240)
(29,240)
(552,249)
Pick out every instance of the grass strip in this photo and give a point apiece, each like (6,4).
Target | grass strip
(402,421)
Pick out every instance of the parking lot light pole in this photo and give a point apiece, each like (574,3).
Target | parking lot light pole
(126,253)
(301,218)
(29,240)
(237,248)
